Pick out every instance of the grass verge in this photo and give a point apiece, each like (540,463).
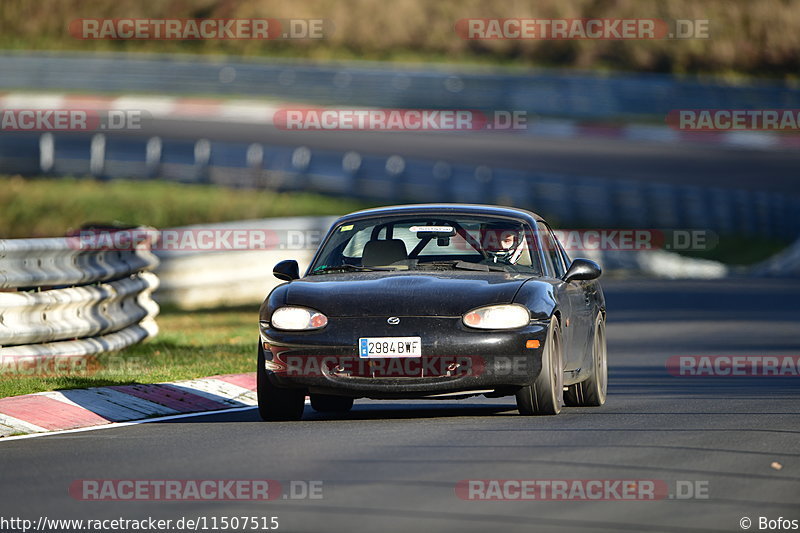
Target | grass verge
(740,250)
(190,345)
(47,207)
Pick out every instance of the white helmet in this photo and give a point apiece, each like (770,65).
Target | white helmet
(503,242)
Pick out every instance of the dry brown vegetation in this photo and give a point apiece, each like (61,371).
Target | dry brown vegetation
(757,37)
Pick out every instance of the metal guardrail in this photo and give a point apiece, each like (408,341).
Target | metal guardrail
(576,94)
(202,279)
(78,312)
(568,200)
(784,264)
(61,299)
(61,262)
(110,342)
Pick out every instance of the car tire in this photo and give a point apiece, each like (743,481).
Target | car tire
(276,404)
(591,392)
(545,395)
(327,403)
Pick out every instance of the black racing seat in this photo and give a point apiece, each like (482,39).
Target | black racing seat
(386,252)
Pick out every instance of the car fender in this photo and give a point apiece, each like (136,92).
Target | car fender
(276,298)
(539,296)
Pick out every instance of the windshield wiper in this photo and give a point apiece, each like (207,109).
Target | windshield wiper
(463,265)
(349,268)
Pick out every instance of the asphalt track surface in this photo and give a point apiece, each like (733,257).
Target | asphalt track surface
(701,164)
(393,466)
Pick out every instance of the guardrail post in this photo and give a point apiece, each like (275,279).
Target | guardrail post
(153,157)
(301,160)
(255,163)
(202,157)
(443,174)
(395,168)
(97,155)
(484,176)
(722,205)
(696,208)
(351,164)
(47,152)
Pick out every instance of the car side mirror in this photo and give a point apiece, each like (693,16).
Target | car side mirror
(582,269)
(286,270)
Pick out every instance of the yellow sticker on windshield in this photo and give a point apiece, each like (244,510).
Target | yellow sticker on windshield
(346,228)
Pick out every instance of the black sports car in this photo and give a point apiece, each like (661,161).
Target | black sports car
(434,301)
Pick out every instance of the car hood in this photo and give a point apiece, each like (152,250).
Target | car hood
(402,294)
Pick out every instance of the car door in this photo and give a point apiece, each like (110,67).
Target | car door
(583,306)
(570,297)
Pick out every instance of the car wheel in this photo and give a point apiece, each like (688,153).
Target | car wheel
(274,403)
(327,403)
(591,392)
(545,395)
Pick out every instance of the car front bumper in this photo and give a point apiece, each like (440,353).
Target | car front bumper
(455,359)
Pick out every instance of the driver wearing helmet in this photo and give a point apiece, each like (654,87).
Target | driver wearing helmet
(503,243)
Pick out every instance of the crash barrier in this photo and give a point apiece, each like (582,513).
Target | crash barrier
(200,278)
(658,264)
(193,279)
(203,278)
(546,92)
(569,200)
(59,298)
(783,264)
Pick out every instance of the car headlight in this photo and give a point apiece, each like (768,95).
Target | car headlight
(506,316)
(298,318)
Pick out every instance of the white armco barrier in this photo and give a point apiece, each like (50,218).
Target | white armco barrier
(60,298)
(63,262)
(193,278)
(93,345)
(35,317)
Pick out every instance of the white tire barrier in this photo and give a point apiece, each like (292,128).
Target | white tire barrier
(59,298)
(110,342)
(78,312)
(193,279)
(62,262)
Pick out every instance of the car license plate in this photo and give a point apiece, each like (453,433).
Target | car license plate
(389,347)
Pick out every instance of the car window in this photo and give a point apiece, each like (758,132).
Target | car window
(558,252)
(418,242)
(564,255)
(455,245)
(552,251)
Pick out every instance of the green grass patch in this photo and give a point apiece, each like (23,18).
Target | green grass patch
(190,345)
(740,249)
(46,207)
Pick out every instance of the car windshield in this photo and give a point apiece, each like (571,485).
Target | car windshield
(430,242)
